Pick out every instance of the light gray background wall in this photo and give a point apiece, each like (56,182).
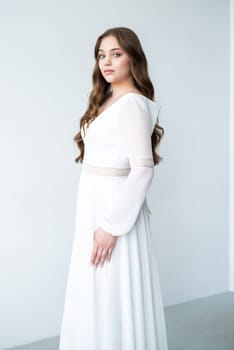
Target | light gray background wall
(191,190)
(231,135)
(46,63)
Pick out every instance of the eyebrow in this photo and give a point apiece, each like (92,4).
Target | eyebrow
(117,48)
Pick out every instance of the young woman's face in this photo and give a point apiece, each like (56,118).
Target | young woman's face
(113,61)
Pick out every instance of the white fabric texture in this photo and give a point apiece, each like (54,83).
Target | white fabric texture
(135,125)
(117,306)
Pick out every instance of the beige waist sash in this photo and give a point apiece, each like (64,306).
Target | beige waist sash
(106,171)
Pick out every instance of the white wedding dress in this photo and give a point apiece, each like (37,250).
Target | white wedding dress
(117,306)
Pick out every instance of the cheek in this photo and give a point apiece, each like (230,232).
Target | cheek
(124,65)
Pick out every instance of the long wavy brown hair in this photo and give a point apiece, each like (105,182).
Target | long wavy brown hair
(101,91)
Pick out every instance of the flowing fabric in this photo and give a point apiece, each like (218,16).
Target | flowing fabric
(117,306)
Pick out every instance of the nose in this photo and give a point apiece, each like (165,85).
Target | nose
(107,60)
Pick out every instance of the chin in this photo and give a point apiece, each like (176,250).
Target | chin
(109,80)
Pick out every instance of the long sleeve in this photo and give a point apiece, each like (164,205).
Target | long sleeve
(135,123)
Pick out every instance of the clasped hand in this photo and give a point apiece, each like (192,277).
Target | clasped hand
(103,245)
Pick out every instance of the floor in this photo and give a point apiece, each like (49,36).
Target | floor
(202,324)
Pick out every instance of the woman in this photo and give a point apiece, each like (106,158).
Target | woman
(113,298)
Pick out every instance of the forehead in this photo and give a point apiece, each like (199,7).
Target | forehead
(109,43)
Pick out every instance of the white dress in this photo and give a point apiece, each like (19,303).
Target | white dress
(117,306)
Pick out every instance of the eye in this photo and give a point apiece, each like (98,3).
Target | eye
(100,56)
(118,54)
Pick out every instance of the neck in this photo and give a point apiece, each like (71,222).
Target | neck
(120,89)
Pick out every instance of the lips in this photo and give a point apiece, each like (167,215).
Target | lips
(108,71)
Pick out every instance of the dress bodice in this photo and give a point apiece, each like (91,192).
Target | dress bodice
(103,138)
(120,137)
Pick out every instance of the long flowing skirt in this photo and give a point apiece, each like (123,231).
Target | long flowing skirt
(117,306)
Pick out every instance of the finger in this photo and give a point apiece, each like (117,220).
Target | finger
(102,256)
(109,254)
(102,262)
(98,256)
(94,254)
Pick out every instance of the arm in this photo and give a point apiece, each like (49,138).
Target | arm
(135,127)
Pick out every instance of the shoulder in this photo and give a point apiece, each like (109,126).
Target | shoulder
(134,100)
(141,103)
(138,110)
(134,111)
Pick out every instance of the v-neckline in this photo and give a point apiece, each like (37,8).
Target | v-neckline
(126,93)
(112,104)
